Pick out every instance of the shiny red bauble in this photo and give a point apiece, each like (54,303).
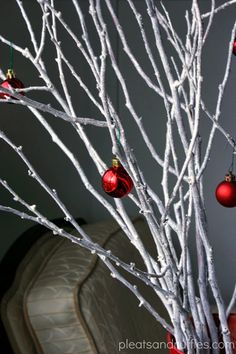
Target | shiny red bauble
(226,191)
(116,182)
(11,82)
(234,47)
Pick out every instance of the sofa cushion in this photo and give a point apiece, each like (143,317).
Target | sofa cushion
(112,312)
(51,300)
(12,312)
(64,300)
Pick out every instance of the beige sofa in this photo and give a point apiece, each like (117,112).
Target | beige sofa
(63,299)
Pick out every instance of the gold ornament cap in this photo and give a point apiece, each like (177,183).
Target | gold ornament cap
(230,177)
(10,74)
(115,162)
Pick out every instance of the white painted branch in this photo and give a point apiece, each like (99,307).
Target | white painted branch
(219,8)
(94,248)
(166,272)
(25,101)
(232,303)
(85,241)
(213,5)
(28,25)
(217,114)
(142,302)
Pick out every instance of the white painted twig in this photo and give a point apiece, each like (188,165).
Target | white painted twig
(25,101)
(219,8)
(231,303)
(168,273)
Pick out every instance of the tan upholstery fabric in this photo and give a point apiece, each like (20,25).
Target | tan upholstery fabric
(72,304)
(12,304)
(52,303)
(111,310)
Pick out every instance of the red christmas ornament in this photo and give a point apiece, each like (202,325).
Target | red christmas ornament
(11,82)
(226,191)
(116,182)
(234,47)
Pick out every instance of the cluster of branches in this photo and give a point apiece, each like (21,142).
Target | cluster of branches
(168,274)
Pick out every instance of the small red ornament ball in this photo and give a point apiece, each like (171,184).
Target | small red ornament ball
(116,182)
(11,82)
(234,47)
(226,191)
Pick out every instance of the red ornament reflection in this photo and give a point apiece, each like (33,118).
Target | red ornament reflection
(116,182)
(234,47)
(226,191)
(11,82)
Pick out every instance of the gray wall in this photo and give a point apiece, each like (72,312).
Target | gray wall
(23,128)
